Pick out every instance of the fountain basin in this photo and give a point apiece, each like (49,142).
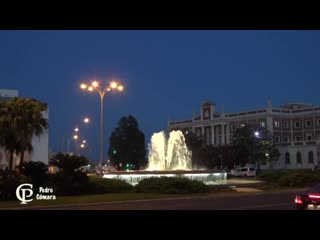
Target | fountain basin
(133,177)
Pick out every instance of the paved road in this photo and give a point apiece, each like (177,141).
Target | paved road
(254,201)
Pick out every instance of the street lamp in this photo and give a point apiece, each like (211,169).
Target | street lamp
(75,137)
(257,135)
(114,86)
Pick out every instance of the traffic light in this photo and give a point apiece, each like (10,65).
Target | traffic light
(114,151)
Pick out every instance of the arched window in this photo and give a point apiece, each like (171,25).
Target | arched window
(310,157)
(287,157)
(299,161)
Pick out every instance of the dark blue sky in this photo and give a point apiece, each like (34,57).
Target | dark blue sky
(165,73)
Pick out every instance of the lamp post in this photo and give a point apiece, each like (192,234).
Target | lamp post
(102,91)
(256,135)
(76,139)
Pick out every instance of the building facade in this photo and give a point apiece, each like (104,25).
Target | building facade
(295,128)
(40,144)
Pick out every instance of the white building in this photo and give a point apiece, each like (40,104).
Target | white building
(295,128)
(40,144)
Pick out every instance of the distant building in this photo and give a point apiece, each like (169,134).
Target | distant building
(40,144)
(295,128)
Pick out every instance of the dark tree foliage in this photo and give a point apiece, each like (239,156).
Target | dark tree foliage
(196,145)
(127,145)
(255,146)
(221,157)
(68,164)
(36,171)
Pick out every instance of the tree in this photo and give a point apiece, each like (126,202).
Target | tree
(8,141)
(23,116)
(195,144)
(36,171)
(68,164)
(221,156)
(255,145)
(127,145)
(69,179)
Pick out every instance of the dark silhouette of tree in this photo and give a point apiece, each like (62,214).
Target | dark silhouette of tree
(221,156)
(255,145)
(127,145)
(8,140)
(196,145)
(23,116)
(36,171)
(68,164)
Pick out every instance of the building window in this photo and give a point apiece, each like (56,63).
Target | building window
(287,156)
(285,124)
(310,157)
(309,137)
(206,114)
(262,123)
(276,124)
(298,138)
(286,139)
(233,127)
(299,161)
(308,123)
(297,124)
(318,122)
(277,139)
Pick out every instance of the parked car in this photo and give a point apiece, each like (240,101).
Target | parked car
(244,172)
(310,199)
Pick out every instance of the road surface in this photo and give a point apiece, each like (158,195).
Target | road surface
(252,201)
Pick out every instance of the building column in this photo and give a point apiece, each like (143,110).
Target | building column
(212,135)
(228,134)
(222,134)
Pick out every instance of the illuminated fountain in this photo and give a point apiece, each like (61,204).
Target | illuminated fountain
(171,154)
(169,157)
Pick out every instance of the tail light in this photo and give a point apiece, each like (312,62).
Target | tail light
(314,196)
(298,200)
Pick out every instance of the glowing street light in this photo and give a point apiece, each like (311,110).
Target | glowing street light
(102,91)
(86,120)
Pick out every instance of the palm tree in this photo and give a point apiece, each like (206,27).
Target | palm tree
(68,164)
(36,171)
(8,142)
(23,116)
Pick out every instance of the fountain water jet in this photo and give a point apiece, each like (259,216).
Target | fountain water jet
(168,154)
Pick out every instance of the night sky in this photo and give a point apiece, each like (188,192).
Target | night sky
(165,74)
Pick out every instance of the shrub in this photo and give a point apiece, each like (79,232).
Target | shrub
(102,185)
(64,184)
(175,185)
(290,178)
(9,181)
(36,171)
(299,179)
(272,175)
